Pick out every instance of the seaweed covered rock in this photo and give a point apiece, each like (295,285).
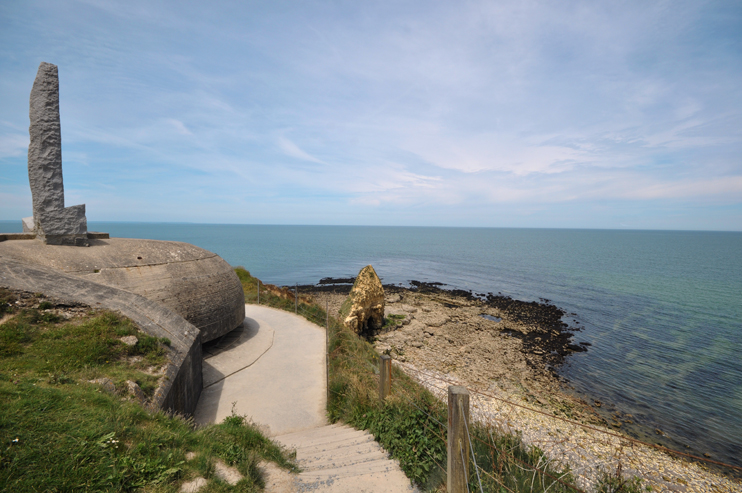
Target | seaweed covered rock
(363,311)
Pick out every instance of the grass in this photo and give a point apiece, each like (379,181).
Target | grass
(281,298)
(58,432)
(393,321)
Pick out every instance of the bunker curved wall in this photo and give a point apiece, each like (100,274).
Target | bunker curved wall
(180,389)
(194,283)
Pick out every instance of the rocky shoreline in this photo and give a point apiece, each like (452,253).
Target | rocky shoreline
(511,349)
(530,334)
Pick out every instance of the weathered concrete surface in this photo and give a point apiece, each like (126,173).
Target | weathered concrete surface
(66,226)
(285,389)
(340,459)
(28,226)
(235,351)
(193,282)
(364,308)
(181,387)
(52,222)
(17,236)
(45,148)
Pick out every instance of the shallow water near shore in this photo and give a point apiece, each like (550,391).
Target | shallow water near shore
(662,310)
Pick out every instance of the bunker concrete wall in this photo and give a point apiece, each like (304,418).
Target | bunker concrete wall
(181,389)
(193,282)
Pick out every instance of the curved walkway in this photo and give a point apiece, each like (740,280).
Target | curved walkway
(273,372)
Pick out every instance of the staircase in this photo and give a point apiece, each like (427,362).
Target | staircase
(338,458)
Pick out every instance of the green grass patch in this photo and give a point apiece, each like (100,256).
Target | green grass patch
(58,432)
(393,320)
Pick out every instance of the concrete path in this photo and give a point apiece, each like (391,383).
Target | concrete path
(273,372)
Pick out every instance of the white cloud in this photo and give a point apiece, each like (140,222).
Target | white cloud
(293,150)
(13,145)
(179,126)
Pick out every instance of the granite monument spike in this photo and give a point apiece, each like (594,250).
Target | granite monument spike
(52,222)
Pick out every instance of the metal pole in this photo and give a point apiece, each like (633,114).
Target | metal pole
(385,376)
(458,439)
(296,298)
(258,292)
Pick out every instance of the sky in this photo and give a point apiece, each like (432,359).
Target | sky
(565,114)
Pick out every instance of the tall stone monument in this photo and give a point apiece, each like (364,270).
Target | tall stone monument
(52,222)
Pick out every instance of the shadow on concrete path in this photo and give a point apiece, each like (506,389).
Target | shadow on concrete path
(271,370)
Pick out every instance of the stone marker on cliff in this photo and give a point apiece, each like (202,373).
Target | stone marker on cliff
(364,308)
(52,222)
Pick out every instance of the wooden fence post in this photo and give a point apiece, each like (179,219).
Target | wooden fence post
(385,376)
(458,439)
(258,292)
(296,298)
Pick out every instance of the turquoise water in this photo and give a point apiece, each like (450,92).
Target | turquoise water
(662,309)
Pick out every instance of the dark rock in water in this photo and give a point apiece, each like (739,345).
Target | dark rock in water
(423,285)
(337,280)
(576,348)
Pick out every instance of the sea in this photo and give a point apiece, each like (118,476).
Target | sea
(661,310)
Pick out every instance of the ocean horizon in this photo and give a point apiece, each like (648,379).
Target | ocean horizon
(661,309)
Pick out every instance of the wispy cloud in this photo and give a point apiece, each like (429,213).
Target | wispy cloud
(13,145)
(293,150)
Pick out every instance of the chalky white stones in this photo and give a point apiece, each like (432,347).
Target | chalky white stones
(52,222)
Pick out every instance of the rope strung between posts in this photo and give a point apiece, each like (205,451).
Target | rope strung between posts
(526,464)
(492,446)
(473,456)
(463,463)
(577,423)
(422,410)
(428,415)
(498,481)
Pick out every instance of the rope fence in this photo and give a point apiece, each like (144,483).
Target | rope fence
(576,423)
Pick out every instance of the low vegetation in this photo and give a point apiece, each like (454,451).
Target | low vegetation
(279,297)
(59,432)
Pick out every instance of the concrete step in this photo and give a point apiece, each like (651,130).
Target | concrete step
(317,431)
(334,442)
(372,466)
(319,437)
(348,451)
(329,462)
(338,459)
(385,482)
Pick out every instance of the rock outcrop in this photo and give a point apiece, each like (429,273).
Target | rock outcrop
(52,222)
(363,311)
